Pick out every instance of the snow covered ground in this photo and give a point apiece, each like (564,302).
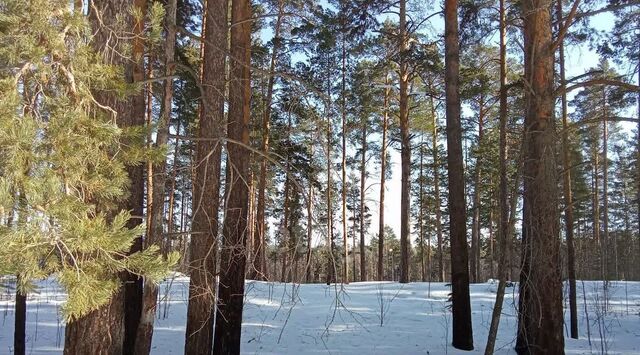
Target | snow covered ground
(373,317)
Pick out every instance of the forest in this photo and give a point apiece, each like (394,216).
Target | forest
(319,176)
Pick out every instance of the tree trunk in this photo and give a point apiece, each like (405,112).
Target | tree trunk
(259,243)
(345,257)
(436,187)
(206,185)
(150,292)
(405,152)
(233,258)
(308,266)
(568,193)
(363,204)
(383,172)
(286,241)
(605,192)
(475,228)
(111,329)
(423,272)
(503,224)
(462,330)
(331,263)
(20,321)
(540,303)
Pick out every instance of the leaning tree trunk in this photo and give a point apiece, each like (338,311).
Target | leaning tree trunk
(228,327)
(206,184)
(405,152)
(111,329)
(540,304)
(462,330)
(568,193)
(150,291)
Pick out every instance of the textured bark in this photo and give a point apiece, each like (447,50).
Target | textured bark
(383,172)
(331,264)
(345,245)
(568,194)
(605,191)
(462,330)
(363,204)
(259,261)
(423,271)
(405,151)
(503,228)
(436,191)
(475,227)
(233,254)
(206,189)
(112,328)
(156,227)
(20,321)
(540,304)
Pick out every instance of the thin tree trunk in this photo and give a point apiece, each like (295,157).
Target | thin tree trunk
(363,204)
(436,186)
(331,265)
(20,320)
(423,271)
(308,266)
(540,323)
(462,330)
(568,194)
(503,221)
(286,238)
(345,257)
(150,293)
(405,151)
(259,243)
(206,185)
(383,172)
(475,228)
(605,192)
(228,327)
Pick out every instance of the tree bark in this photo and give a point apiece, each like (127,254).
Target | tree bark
(259,243)
(331,263)
(345,257)
(363,204)
(568,194)
(462,330)
(206,185)
(156,228)
(111,329)
(383,172)
(405,151)
(540,304)
(475,228)
(503,230)
(228,327)
(20,321)
(436,187)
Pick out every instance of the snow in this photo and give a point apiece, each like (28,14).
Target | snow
(318,319)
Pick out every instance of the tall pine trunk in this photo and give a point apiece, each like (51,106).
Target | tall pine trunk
(259,241)
(405,151)
(475,228)
(568,193)
(150,291)
(462,330)
(540,304)
(206,184)
(363,204)
(383,179)
(233,257)
(111,329)
(436,190)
